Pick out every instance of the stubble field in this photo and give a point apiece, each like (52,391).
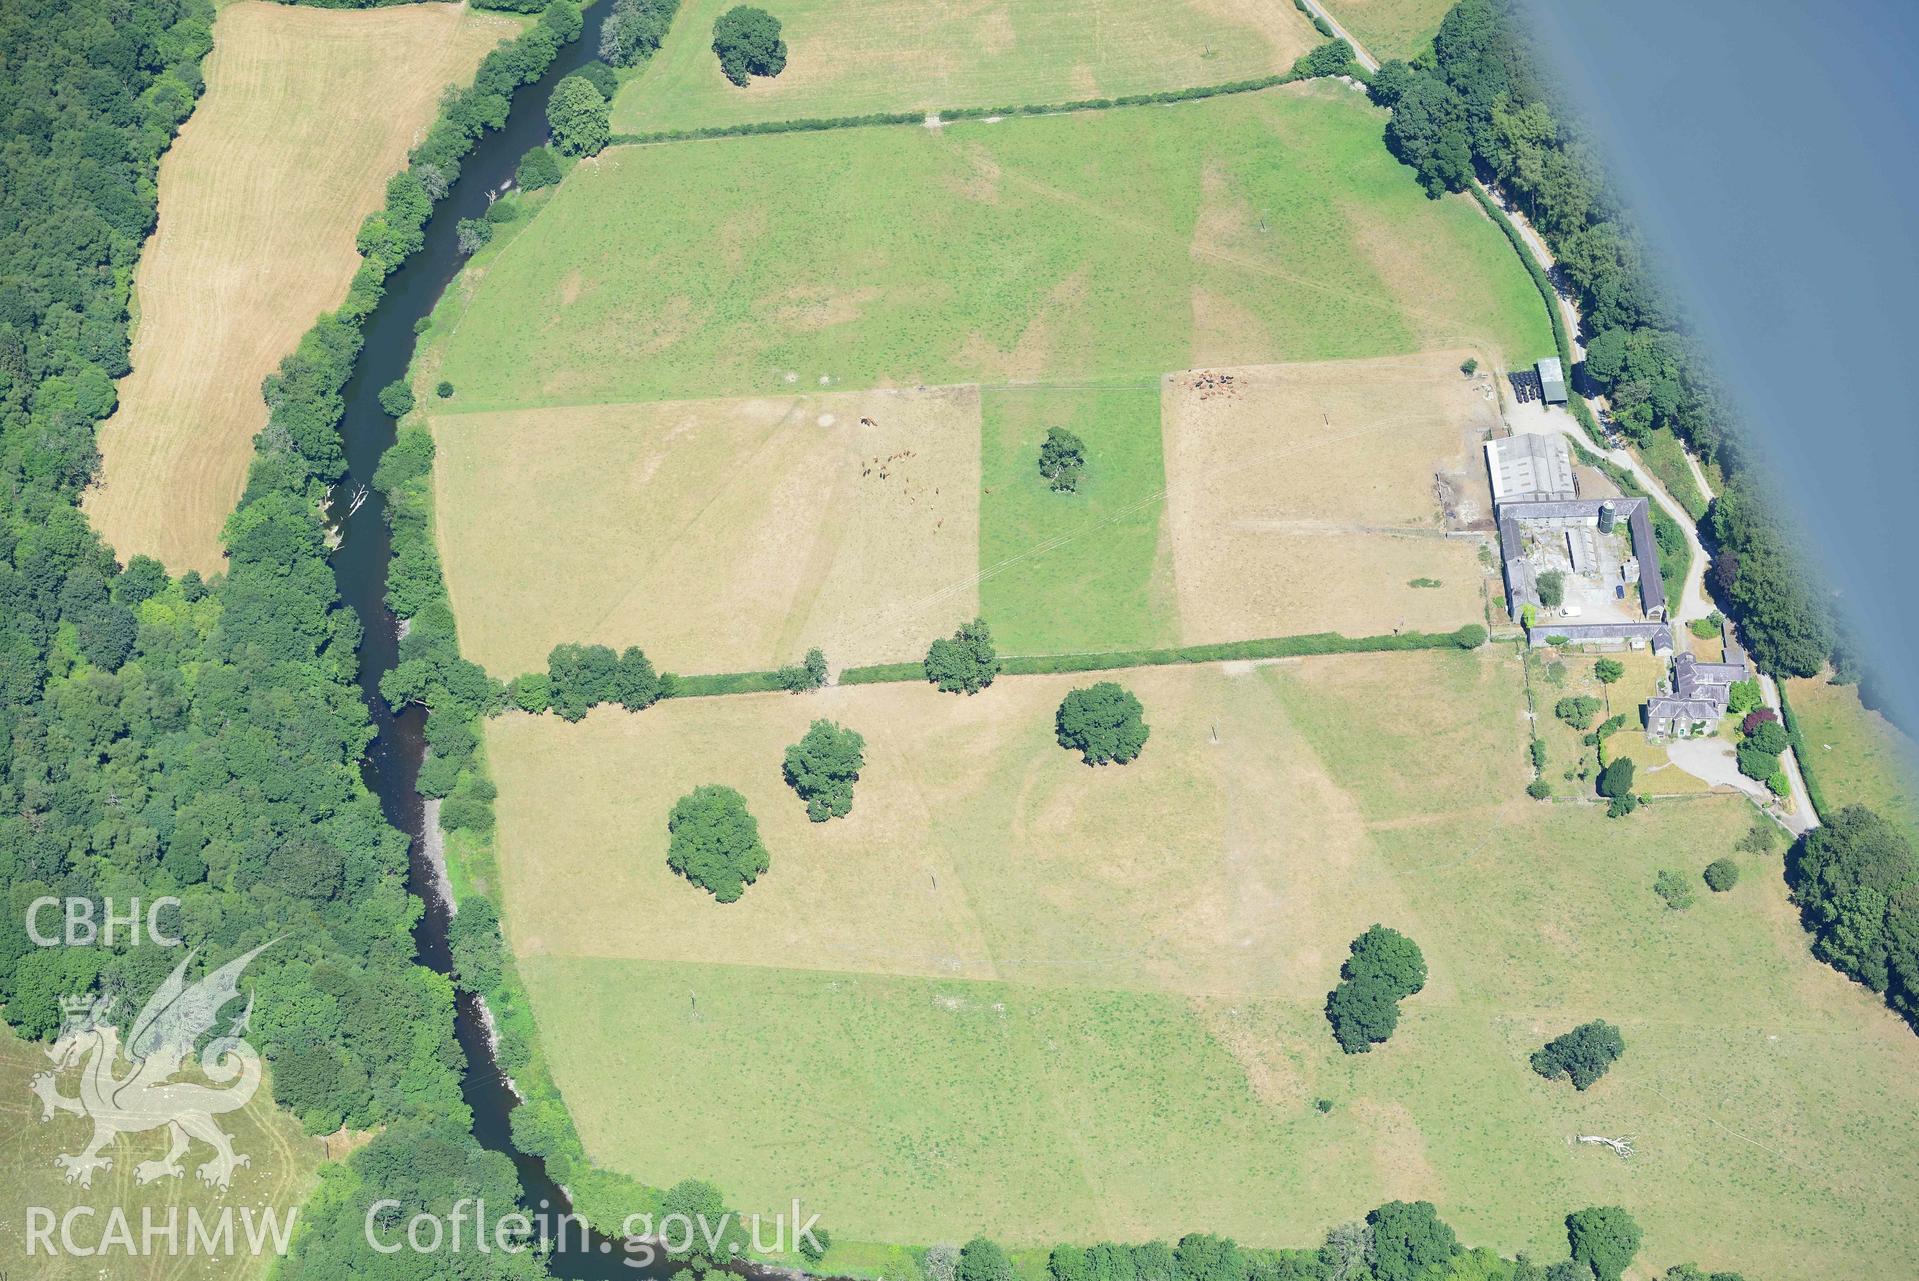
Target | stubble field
(307,113)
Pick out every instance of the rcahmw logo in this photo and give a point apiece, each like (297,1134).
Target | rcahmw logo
(131,1090)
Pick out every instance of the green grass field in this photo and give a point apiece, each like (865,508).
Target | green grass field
(1391,28)
(1103,245)
(1006,1051)
(1858,756)
(856,57)
(1085,570)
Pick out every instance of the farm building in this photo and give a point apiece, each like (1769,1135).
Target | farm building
(1552,381)
(1699,694)
(1608,577)
(1530,467)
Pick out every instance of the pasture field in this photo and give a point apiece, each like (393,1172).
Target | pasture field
(1311,497)
(283,1172)
(722,535)
(307,113)
(1089,570)
(1391,28)
(1858,756)
(1077,1003)
(1086,248)
(859,57)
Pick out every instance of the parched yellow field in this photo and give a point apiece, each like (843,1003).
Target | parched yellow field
(1081,1004)
(976,848)
(307,113)
(855,57)
(1309,497)
(281,1174)
(719,535)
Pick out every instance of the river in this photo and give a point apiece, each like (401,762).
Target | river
(360,567)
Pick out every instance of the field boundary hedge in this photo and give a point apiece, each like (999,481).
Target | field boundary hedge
(821,124)
(1471,636)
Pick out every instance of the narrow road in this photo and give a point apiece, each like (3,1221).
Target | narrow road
(1360,55)
(1803,817)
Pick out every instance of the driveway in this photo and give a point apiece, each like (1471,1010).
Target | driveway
(1712,760)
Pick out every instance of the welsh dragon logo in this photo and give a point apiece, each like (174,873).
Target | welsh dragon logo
(147,1098)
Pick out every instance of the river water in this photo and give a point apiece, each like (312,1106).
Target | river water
(360,567)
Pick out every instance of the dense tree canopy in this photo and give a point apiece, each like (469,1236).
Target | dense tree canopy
(634,29)
(964,662)
(1856,882)
(538,168)
(714,842)
(1410,1241)
(747,42)
(1583,1054)
(823,766)
(983,1260)
(1604,1238)
(1384,967)
(576,113)
(1062,458)
(1104,722)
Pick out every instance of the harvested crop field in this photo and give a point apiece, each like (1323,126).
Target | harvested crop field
(307,113)
(1081,1004)
(719,535)
(857,57)
(1094,247)
(1326,497)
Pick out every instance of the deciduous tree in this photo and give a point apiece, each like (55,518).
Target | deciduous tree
(714,842)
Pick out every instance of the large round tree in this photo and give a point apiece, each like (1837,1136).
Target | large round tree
(1104,722)
(823,766)
(748,43)
(576,113)
(714,842)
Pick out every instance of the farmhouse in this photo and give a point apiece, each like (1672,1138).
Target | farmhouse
(1698,693)
(1598,554)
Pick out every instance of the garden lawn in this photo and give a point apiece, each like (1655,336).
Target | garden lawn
(1092,247)
(1070,1003)
(855,57)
